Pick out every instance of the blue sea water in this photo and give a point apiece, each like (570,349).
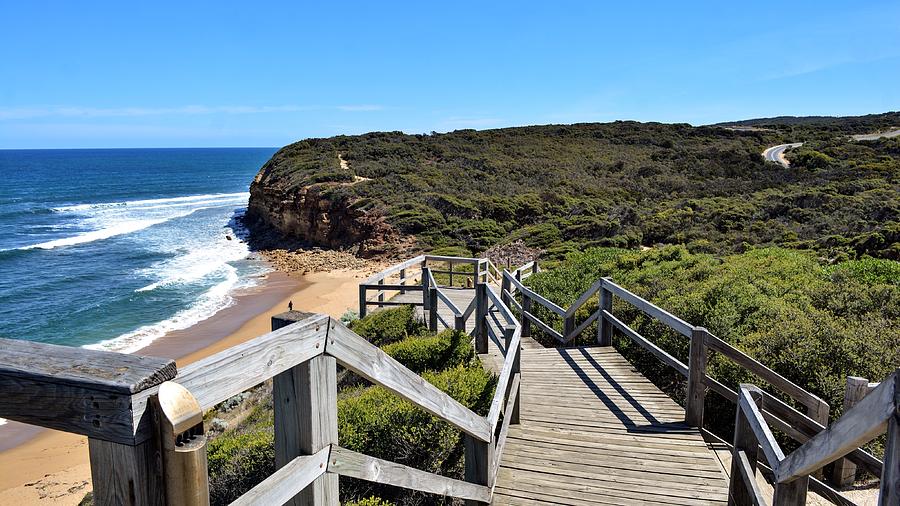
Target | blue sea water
(113,248)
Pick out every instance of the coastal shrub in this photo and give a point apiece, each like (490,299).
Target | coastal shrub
(431,353)
(242,457)
(376,422)
(369,501)
(389,325)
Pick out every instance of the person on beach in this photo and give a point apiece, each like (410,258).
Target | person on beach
(290,305)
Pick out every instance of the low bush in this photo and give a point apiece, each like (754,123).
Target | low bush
(388,326)
(450,348)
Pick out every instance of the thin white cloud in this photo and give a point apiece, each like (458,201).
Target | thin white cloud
(361,108)
(15,113)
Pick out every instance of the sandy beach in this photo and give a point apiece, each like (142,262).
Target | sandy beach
(41,466)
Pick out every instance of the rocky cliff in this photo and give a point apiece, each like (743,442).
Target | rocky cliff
(286,209)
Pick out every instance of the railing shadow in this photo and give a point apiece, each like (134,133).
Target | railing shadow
(585,376)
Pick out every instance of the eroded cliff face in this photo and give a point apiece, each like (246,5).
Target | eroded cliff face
(281,212)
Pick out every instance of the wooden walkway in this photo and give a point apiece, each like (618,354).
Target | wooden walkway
(594,431)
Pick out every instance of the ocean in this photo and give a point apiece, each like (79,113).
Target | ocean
(113,248)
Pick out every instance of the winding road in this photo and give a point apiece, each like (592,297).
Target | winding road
(776,153)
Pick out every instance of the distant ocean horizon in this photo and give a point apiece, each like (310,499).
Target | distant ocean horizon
(114,248)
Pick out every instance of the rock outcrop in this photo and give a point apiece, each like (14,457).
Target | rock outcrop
(282,213)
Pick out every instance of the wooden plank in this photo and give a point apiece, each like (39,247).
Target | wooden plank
(745,439)
(757,424)
(696,389)
(372,363)
(231,371)
(503,381)
(448,302)
(305,405)
(386,287)
(288,481)
(650,309)
(844,470)
(392,303)
(865,421)
(504,310)
(583,325)
(394,268)
(95,393)
(773,378)
(504,428)
(125,474)
(543,326)
(748,476)
(356,465)
(587,294)
(478,459)
(658,352)
(531,294)
(890,476)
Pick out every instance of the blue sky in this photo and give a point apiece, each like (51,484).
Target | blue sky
(172,74)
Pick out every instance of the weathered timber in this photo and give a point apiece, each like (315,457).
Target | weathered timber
(860,424)
(305,405)
(99,394)
(696,388)
(745,440)
(652,310)
(890,476)
(356,465)
(642,341)
(231,371)
(844,470)
(370,362)
(288,481)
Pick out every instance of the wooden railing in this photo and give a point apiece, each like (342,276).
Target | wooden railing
(107,397)
(875,413)
(782,416)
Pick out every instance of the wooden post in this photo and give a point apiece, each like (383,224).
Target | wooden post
(478,457)
(696,387)
(890,473)
(381,293)
(569,327)
(819,413)
(526,308)
(792,493)
(426,293)
(402,279)
(98,394)
(516,369)
(305,400)
(744,440)
(844,472)
(481,310)
(451,273)
(459,323)
(604,327)
(124,474)
(507,336)
(432,309)
(362,301)
(505,286)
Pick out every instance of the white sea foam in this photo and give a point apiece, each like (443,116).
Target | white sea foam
(110,219)
(2,421)
(211,302)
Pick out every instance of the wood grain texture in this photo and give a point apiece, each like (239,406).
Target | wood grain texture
(230,372)
(370,362)
(696,389)
(356,465)
(288,481)
(857,426)
(99,394)
(125,474)
(652,310)
(643,342)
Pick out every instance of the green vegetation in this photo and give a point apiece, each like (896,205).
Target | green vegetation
(813,324)
(564,188)
(371,420)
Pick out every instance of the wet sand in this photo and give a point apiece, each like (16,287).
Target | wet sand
(42,466)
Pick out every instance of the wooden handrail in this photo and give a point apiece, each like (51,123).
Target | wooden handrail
(857,426)
(370,362)
(285,483)
(536,297)
(764,437)
(395,268)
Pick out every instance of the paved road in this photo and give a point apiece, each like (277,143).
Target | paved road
(776,153)
(872,137)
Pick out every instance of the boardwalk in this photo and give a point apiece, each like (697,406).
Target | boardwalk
(594,431)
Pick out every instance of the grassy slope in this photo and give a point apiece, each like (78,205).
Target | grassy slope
(566,187)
